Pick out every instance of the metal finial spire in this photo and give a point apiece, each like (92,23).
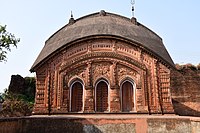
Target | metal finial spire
(71,14)
(71,20)
(133,3)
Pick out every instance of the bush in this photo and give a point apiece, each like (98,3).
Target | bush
(16,106)
(198,66)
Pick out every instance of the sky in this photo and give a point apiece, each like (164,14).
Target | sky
(177,22)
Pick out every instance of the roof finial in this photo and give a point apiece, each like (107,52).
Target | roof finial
(71,14)
(133,3)
(71,20)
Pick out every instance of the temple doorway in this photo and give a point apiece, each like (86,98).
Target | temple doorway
(127,98)
(77,97)
(102,97)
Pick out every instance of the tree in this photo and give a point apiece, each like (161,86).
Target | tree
(19,97)
(23,86)
(6,41)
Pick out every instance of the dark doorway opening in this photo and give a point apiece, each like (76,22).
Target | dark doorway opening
(77,97)
(102,97)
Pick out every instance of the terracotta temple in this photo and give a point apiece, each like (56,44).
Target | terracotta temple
(103,63)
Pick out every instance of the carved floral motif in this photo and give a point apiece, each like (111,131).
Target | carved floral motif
(123,71)
(78,72)
(100,69)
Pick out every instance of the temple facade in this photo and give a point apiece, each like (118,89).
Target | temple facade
(103,63)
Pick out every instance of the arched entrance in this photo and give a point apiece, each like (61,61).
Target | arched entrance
(101,96)
(127,96)
(76,97)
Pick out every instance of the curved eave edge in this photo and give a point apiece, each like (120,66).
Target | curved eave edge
(133,42)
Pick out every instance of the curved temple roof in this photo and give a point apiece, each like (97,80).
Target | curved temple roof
(104,24)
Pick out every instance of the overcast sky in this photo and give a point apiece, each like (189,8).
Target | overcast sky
(34,21)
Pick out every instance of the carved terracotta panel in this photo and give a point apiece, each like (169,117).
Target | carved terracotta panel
(100,69)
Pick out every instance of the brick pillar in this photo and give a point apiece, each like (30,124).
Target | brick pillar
(165,89)
(63,94)
(89,95)
(114,90)
(89,100)
(115,99)
(65,100)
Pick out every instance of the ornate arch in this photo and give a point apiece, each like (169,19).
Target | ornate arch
(101,78)
(75,79)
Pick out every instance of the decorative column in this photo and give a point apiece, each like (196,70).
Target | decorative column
(62,94)
(114,90)
(147,91)
(66,93)
(55,91)
(165,95)
(89,97)
(41,93)
(158,86)
(49,93)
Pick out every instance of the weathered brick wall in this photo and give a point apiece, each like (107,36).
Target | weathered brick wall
(185,84)
(62,124)
(101,59)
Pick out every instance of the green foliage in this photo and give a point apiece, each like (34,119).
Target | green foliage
(6,41)
(19,104)
(30,87)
